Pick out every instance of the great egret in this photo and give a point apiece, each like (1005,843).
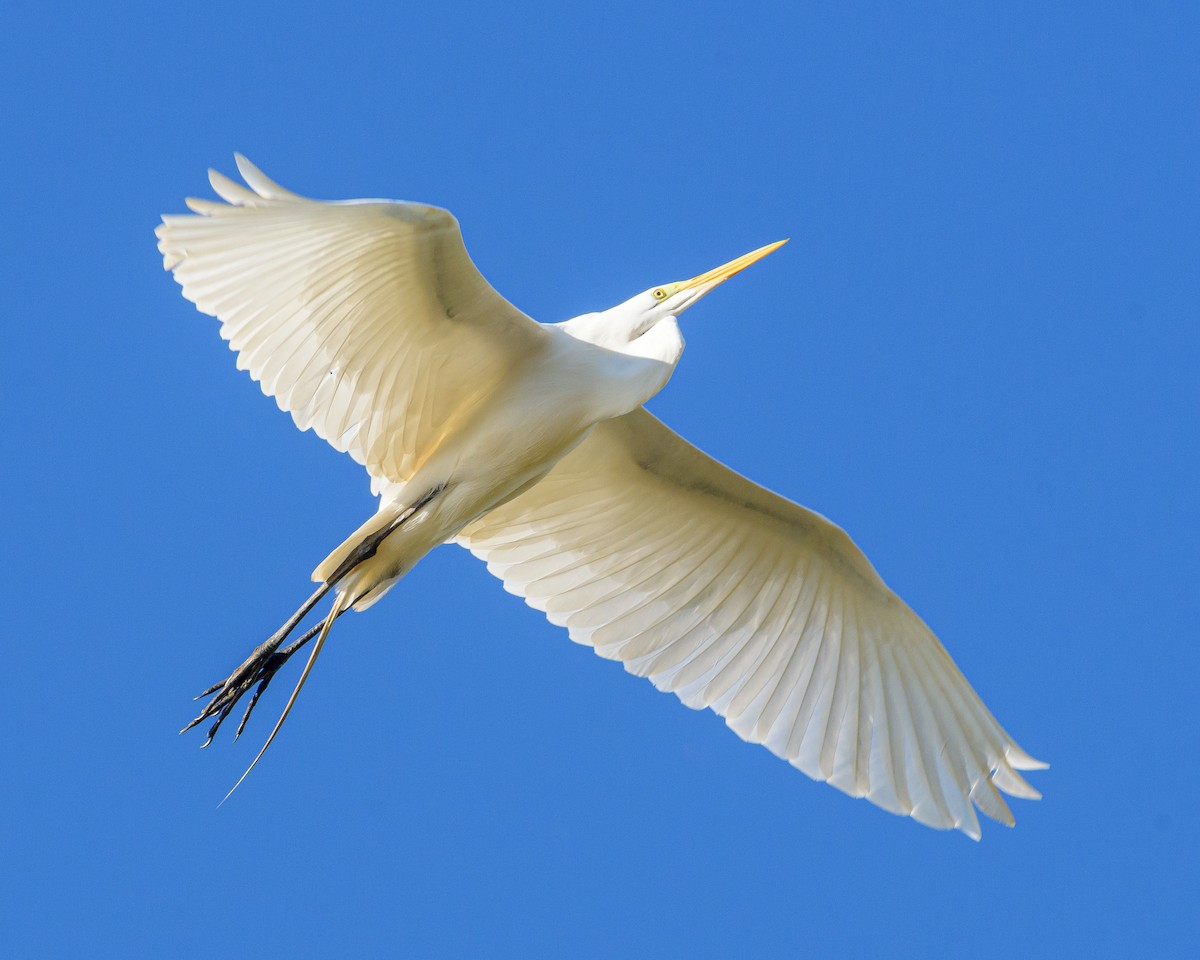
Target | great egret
(528,444)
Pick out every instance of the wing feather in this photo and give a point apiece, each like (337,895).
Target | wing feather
(365,320)
(738,600)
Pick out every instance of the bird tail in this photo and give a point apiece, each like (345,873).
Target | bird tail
(348,570)
(352,552)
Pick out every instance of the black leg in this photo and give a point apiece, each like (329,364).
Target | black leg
(258,668)
(276,661)
(370,544)
(261,666)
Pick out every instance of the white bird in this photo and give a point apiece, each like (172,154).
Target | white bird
(528,444)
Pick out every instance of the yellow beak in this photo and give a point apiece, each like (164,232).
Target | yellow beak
(725,271)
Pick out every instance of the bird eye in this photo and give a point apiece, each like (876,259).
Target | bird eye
(660,294)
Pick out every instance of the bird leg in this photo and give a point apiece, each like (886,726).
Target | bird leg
(266,659)
(370,543)
(258,668)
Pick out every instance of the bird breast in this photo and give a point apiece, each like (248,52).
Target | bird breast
(514,435)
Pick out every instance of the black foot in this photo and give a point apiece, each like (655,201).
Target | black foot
(259,668)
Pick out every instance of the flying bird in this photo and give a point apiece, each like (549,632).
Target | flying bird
(528,444)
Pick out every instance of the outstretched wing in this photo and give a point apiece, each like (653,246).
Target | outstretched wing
(366,320)
(733,598)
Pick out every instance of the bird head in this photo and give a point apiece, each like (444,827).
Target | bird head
(625,323)
(623,327)
(673,298)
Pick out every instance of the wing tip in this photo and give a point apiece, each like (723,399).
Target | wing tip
(205,208)
(1018,759)
(260,183)
(231,191)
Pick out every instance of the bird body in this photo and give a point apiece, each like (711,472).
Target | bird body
(528,444)
(510,440)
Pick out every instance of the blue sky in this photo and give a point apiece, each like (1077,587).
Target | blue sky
(978,355)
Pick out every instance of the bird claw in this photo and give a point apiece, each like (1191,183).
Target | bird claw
(259,668)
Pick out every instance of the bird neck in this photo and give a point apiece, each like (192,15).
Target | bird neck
(627,372)
(621,331)
(662,342)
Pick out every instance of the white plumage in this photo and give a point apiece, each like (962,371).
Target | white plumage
(527,443)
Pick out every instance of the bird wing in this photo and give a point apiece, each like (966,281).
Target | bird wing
(364,319)
(734,598)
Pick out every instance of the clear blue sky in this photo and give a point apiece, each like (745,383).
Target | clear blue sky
(978,355)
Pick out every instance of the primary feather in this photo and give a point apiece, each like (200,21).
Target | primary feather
(733,598)
(365,320)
